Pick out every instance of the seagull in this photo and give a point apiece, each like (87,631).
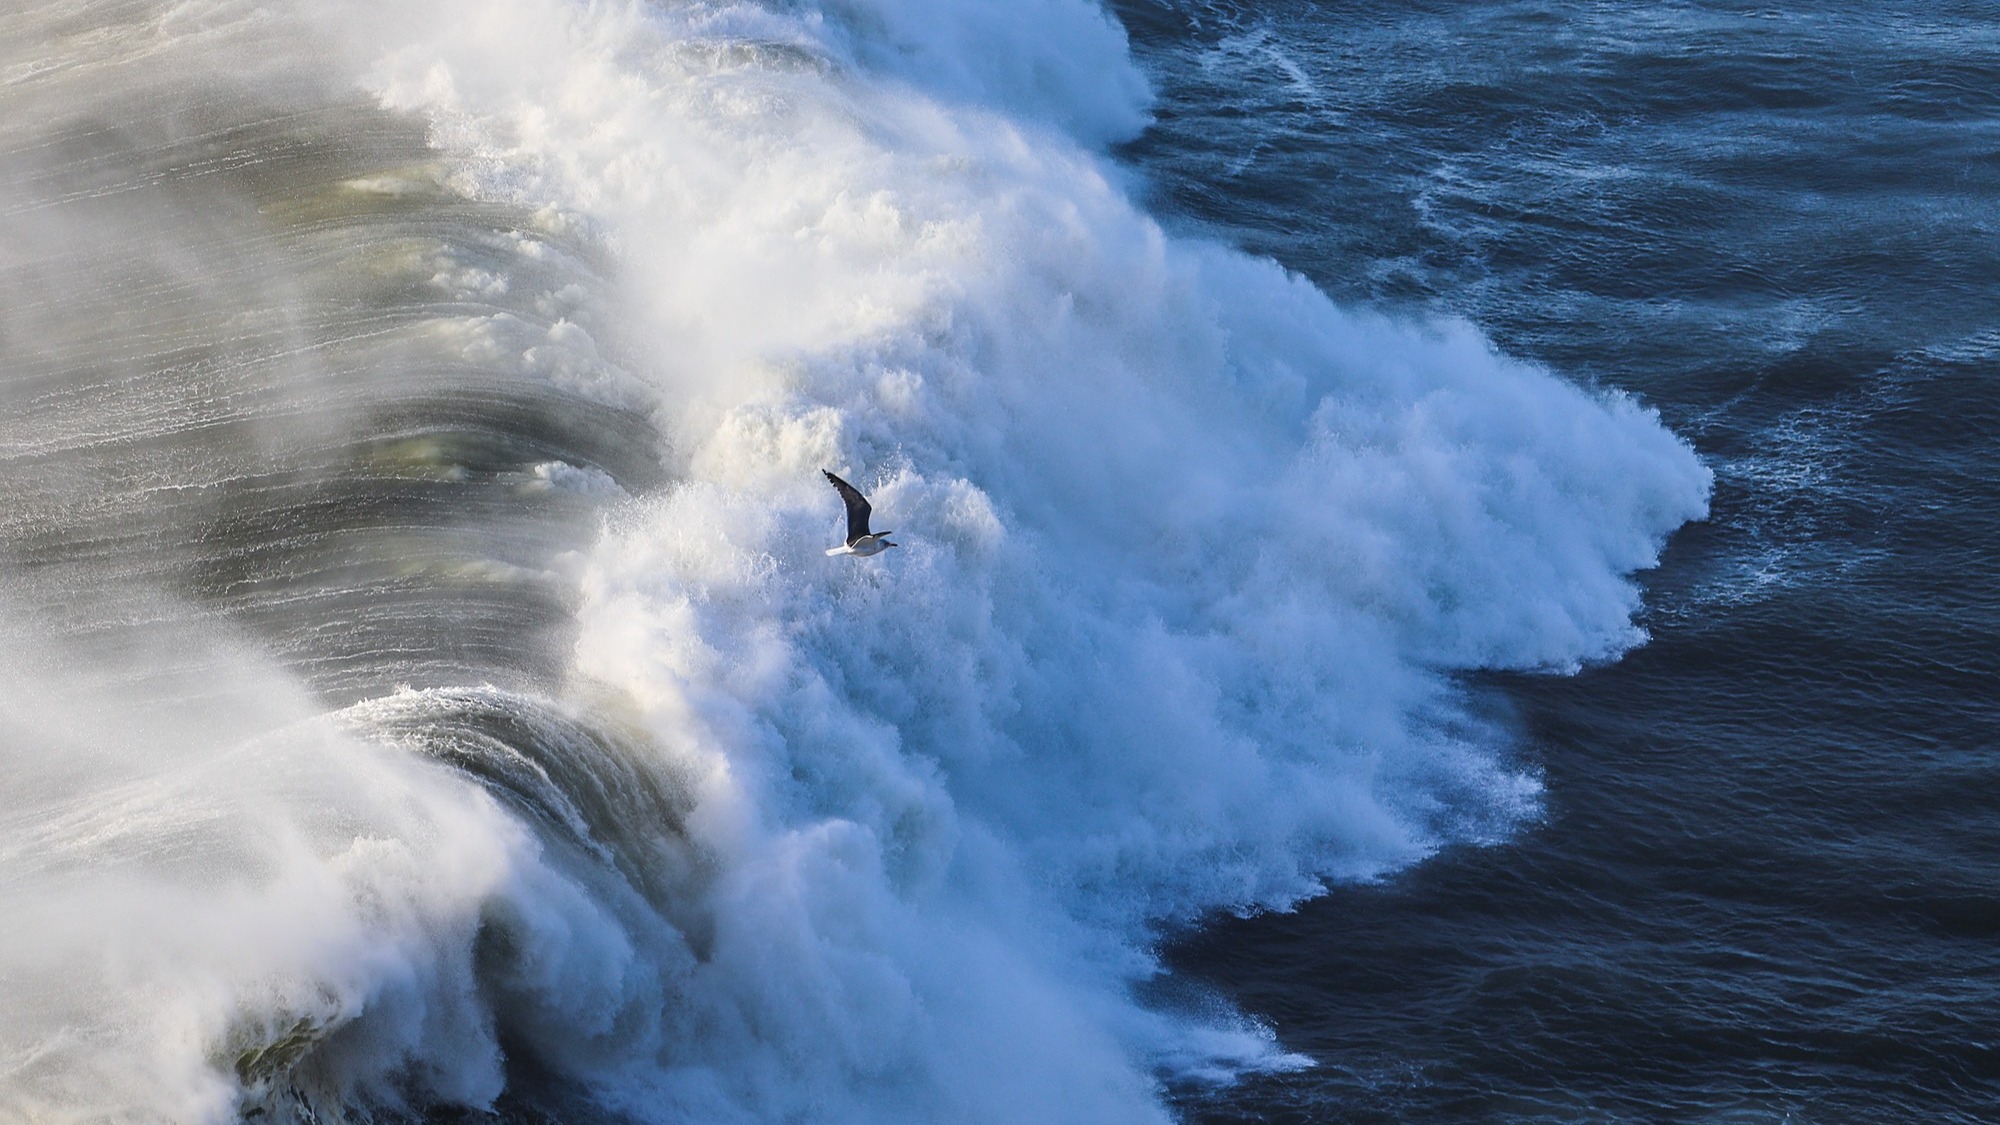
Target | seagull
(860,541)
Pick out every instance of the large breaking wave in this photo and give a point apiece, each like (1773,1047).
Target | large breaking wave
(423,678)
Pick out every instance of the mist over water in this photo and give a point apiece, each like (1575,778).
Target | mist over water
(424,686)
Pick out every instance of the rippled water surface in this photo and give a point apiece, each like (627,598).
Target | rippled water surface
(1767,883)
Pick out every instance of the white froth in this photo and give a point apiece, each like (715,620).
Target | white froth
(1189,554)
(1185,547)
(214,881)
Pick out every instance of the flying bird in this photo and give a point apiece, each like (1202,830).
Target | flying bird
(860,541)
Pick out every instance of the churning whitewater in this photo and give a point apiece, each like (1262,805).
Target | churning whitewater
(424,683)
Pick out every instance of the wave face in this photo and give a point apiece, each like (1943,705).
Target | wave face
(424,684)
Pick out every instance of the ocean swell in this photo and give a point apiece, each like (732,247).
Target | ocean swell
(473,717)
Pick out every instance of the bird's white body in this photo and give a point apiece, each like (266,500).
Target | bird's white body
(865,546)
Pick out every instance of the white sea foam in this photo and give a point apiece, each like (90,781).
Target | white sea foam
(1188,554)
(185,885)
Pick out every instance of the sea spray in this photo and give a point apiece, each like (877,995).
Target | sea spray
(1190,554)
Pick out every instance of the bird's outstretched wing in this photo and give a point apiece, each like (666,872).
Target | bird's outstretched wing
(857,507)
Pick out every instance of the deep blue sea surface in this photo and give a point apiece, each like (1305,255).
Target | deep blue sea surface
(1766,887)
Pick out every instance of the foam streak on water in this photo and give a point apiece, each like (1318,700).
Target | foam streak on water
(425,680)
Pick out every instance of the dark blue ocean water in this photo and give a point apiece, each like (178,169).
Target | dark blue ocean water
(1767,885)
